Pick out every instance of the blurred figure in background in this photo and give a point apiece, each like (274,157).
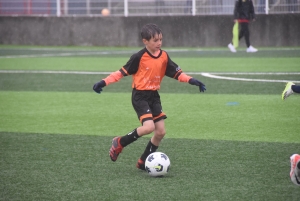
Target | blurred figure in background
(243,13)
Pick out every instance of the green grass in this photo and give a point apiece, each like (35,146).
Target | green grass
(111,59)
(220,117)
(77,167)
(232,142)
(187,64)
(83,83)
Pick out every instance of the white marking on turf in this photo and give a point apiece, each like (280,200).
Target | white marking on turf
(247,73)
(62,54)
(247,79)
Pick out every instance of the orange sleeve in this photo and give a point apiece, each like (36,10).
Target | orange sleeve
(113,77)
(184,77)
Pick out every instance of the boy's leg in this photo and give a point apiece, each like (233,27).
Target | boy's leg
(115,149)
(142,108)
(153,143)
(118,143)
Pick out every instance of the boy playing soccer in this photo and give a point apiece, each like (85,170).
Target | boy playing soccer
(147,67)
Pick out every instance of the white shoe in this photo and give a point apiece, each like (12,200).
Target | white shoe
(295,169)
(231,47)
(287,90)
(251,49)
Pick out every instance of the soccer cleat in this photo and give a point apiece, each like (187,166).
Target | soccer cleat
(295,169)
(141,164)
(116,149)
(251,49)
(231,47)
(287,91)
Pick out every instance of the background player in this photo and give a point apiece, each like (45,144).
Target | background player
(243,13)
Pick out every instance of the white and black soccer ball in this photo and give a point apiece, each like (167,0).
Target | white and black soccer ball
(157,164)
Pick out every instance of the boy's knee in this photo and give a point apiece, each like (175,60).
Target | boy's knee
(149,128)
(160,133)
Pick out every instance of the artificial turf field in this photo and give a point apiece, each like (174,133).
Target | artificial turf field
(232,142)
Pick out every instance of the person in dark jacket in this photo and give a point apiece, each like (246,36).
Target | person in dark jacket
(244,13)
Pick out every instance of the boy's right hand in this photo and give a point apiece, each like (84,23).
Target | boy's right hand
(201,86)
(98,86)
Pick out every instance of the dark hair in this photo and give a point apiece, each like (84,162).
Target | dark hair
(150,30)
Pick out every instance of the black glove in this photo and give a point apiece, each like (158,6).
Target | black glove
(98,86)
(193,81)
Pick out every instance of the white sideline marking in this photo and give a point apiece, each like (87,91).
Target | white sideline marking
(61,54)
(247,73)
(247,79)
(210,75)
(77,53)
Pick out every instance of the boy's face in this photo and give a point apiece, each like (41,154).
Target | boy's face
(154,44)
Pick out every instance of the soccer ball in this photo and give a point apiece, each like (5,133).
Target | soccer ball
(157,164)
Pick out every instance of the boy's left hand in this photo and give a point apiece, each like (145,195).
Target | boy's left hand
(193,81)
(98,86)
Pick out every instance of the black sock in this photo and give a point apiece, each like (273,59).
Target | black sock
(129,138)
(149,149)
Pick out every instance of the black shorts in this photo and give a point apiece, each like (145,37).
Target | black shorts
(147,105)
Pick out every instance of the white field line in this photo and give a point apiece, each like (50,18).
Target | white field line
(63,54)
(210,75)
(246,73)
(247,79)
(78,53)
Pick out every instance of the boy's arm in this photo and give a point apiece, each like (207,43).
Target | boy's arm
(174,71)
(113,77)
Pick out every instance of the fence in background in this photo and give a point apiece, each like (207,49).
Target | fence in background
(139,7)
